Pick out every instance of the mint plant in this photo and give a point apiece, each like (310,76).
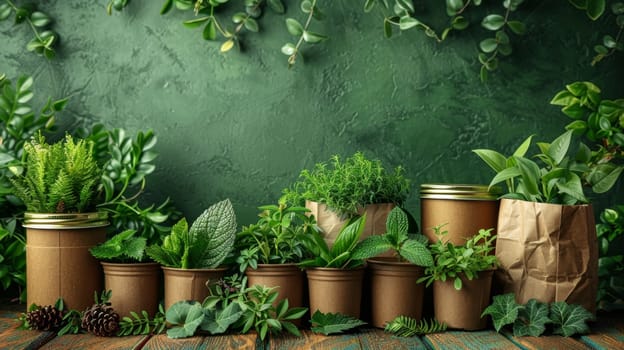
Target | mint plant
(122,247)
(333,323)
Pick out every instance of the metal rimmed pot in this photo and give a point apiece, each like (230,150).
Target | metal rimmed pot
(58,262)
(464,209)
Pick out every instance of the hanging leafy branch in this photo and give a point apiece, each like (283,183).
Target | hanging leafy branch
(611,44)
(45,39)
(302,31)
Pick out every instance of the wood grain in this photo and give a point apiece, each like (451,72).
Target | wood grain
(20,339)
(548,342)
(233,341)
(88,341)
(377,339)
(312,341)
(481,340)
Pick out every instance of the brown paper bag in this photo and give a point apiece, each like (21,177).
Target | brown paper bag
(548,252)
(331,224)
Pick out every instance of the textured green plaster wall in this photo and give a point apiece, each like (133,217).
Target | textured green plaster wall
(241,125)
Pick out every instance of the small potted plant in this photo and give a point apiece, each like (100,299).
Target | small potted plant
(394,291)
(192,257)
(58,186)
(343,189)
(462,279)
(334,276)
(128,273)
(270,250)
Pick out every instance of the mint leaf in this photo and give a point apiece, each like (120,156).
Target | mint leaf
(504,310)
(532,319)
(330,323)
(569,319)
(186,317)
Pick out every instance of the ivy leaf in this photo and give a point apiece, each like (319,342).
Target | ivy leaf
(493,22)
(503,310)
(186,316)
(330,323)
(532,319)
(569,319)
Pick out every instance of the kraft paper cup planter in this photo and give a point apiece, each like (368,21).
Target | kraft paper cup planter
(134,286)
(287,278)
(394,291)
(462,309)
(189,284)
(335,290)
(58,261)
(463,208)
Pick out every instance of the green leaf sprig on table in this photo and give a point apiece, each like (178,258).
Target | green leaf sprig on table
(451,262)
(532,318)
(205,245)
(404,326)
(333,323)
(140,323)
(45,39)
(122,247)
(396,239)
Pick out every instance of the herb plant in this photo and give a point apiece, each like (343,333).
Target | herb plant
(396,238)
(453,262)
(122,247)
(205,245)
(330,323)
(610,232)
(341,253)
(277,238)
(347,186)
(142,324)
(58,178)
(404,326)
(533,318)
(45,39)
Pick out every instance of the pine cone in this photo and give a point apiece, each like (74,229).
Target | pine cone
(47,318)
(101,320)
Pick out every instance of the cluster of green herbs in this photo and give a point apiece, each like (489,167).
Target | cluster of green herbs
(453,262)
(532,318)
(45,39)
(277,238)
(346,186)
(610,232)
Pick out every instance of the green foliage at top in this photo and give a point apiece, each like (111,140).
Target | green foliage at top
(45,39)
(609,43)
(341,253)
(122,247)
(347,186)
(532,318)
(58,178)
(396,238)
(404,326)
(330,323)
(277,238)
(453,262)
(205,245)
(610,232)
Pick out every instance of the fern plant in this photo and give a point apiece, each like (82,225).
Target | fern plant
(58,178)
(404,326)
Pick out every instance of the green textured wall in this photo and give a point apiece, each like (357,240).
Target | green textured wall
(241,125)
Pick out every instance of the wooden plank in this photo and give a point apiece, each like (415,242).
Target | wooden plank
(607,334)
(14,338)
(7,323)
(455,340)
(89,341)
(163,342)
(231,341)
(548,342)
(377,339)
(312,341)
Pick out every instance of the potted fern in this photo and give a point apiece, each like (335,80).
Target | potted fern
(270,249)
(58,185)
(128,273)
(334,276)
(462,278)
(191,257)
(342,189)
(394,291)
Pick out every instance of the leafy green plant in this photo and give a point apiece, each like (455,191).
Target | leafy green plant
(58,178)
(532,318)
(347,186)
(12,258)
(341,253)
(453,262)
(45,39)
(277,238)
(404,326)
(205,245)
(122,247)
(610,232)
(142,324)
(302,31)
(594,10)
(396,239)
(330,323)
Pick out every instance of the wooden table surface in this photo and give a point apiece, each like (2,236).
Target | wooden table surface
(607,333)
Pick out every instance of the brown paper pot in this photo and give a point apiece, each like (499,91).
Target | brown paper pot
(462,309)
(394,291)
(287,278)
(58,264)
(331,224)
(134,286)
(548,252)
(335,290)
(188,284)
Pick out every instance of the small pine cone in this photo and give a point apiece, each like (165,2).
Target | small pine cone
(101,320)
(47,318)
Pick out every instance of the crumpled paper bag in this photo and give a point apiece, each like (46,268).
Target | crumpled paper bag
(548,252)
